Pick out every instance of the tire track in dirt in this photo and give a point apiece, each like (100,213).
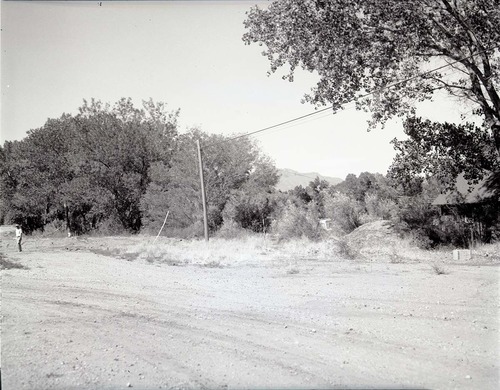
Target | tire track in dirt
(90,321)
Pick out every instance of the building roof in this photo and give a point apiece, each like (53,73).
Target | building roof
(464,193)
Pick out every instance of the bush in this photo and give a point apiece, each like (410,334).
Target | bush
(346,251)
(345,212)
(111,227)
(296,221)
(379,208)
(190,232)
(232,230)
(250,211)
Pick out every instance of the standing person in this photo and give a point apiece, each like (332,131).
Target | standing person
(19,237)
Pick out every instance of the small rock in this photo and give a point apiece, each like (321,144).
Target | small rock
(129,384)
(468,377)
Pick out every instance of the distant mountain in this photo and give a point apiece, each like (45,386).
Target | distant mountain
(289,179)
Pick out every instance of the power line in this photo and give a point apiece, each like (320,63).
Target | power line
(420,75)
(270,127)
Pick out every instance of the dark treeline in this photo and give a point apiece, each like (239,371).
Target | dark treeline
(120,168)
(114,168)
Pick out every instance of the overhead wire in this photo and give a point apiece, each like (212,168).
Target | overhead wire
(353,100)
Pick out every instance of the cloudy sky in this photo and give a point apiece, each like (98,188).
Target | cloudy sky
(190,55)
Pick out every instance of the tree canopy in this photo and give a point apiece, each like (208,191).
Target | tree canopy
(235,173)
(443,151)
(364,47)
(86,168)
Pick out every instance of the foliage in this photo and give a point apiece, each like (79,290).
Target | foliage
(119,168)
(86,168)
(358,200)
(296,220)
(439,270)
(238,181)
(346,213)
(417,219)
(317,189)
(313,193)
(232,230)
(360,47)
(443,151)
(346,251)
(119,145)
(301,193)
(253,205)
(35,172)
(380,208)
(251,211)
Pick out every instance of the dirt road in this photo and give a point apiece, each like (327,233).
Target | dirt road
(76,319)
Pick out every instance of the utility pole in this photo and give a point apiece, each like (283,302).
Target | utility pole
(203,194)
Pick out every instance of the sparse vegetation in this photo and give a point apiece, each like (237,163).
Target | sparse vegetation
(395,258)
(8,264)
(439,270)
(346,251)
(213,264)
(292,271)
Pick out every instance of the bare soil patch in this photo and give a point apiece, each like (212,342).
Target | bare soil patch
(82,316)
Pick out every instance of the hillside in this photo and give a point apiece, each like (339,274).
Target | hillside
(289,179)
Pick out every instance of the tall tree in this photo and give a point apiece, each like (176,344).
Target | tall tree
(118,145)
(229,167)
(360,47)
(35,172)
(86,168)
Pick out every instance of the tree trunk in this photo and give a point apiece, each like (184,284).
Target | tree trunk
(495,129)
(66,215)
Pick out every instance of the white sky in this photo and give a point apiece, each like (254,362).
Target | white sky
(190,55)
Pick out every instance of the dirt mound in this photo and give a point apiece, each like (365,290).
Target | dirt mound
(378,241)
(379,232)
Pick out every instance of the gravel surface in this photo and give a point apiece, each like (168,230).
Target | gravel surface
(75,319)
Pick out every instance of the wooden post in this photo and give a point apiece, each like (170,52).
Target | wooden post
(203,194)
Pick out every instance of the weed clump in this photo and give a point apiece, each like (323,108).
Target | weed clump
(438,270)
(213,264)
(347,251)
(7,264)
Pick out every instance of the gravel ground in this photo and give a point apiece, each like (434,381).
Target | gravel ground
(75,319)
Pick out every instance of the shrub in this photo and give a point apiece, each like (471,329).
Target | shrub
(251,210)
(417,219)
(192,231)
(345,212)
(438,270)
(296,221)
(346,251)
(379,208)
(232,230)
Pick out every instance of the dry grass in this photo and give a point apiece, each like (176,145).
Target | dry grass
(7,264)
(371,244)
(221,252)
(439,270)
